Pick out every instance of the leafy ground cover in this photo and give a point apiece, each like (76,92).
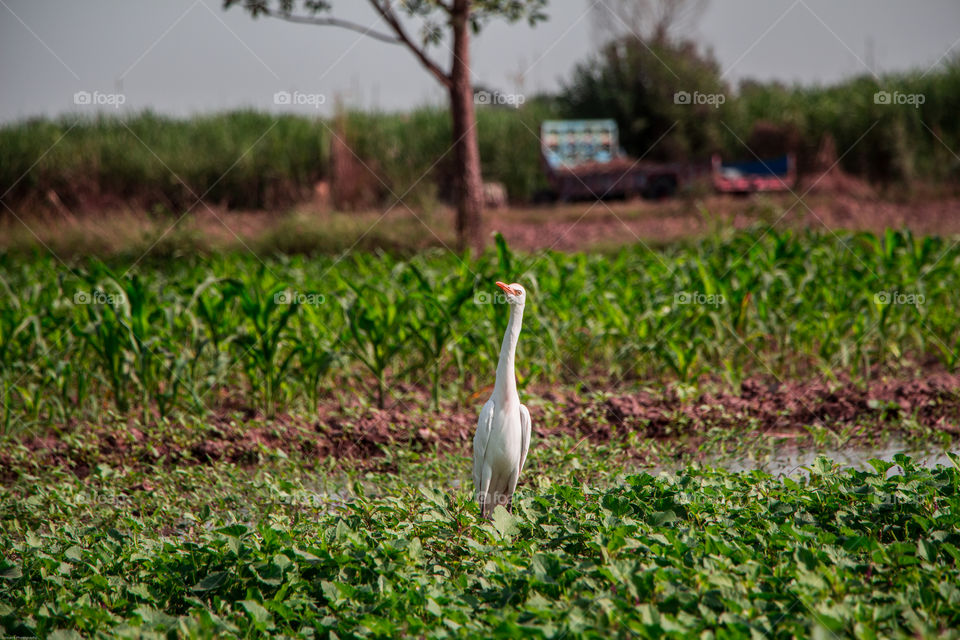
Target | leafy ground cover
(223,446)
(584,554)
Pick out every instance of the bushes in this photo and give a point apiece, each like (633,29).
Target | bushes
(898,142)
(251,160)
(636,84)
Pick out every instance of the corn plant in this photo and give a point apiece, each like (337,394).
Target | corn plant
(377,328)
(264,347)
(319,352)
(439,305)
(77,342)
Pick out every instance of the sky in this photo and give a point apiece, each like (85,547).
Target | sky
(181,57)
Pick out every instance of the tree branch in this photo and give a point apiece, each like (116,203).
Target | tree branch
(335,22)
(391,19)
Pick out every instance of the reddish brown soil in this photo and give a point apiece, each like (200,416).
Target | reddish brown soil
(829,199)
(608,224)
(759,410)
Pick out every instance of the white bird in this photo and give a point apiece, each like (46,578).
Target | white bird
(503,430)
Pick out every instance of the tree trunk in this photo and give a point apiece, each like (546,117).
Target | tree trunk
(469,187)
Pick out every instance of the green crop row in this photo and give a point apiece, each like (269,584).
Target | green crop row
(286,332)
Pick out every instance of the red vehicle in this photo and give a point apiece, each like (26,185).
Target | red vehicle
(775,174)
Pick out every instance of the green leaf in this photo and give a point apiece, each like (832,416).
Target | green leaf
(505,522)
(212,581)
(257,612)
(155,618)
(269,573)
(927,550)
(10,572)
(235,530)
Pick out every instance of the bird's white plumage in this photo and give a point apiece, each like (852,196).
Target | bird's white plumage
(525,424)
(502,440)
(480,439)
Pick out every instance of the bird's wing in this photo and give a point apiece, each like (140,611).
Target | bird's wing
(524,435)
(480,440)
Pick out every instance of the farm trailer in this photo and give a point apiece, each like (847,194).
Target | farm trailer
(583,160)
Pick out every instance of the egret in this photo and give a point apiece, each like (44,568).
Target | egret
(503,430)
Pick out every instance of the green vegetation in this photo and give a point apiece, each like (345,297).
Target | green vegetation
(636,82)
(903,134)
(251,160)
(120,521)
(242,159)
(200,554)
(185,335)
(254,160)
(882,141)
(201,441)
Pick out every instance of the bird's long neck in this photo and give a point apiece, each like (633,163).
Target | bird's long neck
(506,385)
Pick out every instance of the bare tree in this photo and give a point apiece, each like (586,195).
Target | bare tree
(457,19)
(654,21)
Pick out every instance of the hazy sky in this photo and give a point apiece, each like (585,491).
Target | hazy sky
(185,56)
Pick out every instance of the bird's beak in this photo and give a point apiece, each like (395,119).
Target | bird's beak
(507,289)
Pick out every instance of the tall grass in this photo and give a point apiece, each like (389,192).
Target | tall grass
(253,160)
(882,142)
(239,159)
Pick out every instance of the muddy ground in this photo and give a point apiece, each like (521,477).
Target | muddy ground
(759,410)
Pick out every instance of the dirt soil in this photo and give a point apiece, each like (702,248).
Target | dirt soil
(582,226)
(831,201)
(759,410)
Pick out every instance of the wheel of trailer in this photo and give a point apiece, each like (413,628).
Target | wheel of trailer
(660,187)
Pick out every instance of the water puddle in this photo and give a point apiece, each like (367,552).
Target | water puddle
(792,461)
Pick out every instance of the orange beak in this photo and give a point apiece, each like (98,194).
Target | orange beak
(507,289)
